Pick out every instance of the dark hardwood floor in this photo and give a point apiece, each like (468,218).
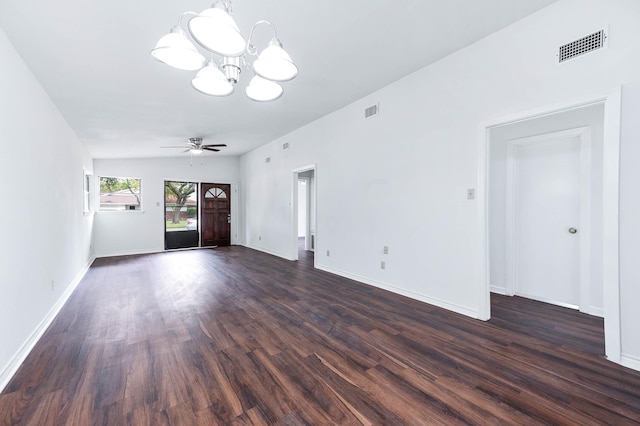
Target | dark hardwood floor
(235,336)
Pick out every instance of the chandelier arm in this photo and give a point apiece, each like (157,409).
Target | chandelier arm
(226,4)
(245,63)
(251,49)
(187,13)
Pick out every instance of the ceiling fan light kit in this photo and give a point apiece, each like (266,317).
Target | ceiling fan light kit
(196,147)
(215,31)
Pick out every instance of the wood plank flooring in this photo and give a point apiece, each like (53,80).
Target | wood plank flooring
(235,336)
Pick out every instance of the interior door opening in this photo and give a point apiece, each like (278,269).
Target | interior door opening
(517,203)
(304,213)
(506,216)
(181,215)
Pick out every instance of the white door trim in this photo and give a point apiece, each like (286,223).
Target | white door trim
(610,209)
(584,225)
(294,208)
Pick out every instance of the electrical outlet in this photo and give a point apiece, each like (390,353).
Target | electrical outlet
(328,253)
(385,250)
(383,265)
(471,193)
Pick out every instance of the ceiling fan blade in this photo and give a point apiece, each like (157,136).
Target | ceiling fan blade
(214,145)
(210,149)
(181,146)
(187,150)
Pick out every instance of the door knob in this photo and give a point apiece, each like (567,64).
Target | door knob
(572,230)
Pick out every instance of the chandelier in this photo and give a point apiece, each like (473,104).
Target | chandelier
(215,31)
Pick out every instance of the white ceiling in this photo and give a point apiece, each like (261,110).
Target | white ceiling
(92,57)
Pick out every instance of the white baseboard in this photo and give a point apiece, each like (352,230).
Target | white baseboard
(595,311)
(410,294)
(273,253)
(630,362)
(499,290)
(420,297)
(16,361)
(131,252)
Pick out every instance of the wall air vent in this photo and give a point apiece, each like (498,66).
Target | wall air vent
(285,145)
(371,111)
(581,46)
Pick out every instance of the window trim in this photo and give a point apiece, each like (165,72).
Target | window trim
(88,202)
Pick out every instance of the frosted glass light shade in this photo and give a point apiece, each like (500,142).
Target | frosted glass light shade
(263,90)
(176,50)
(211,81)
(216,30)
(196,151)
(274,63)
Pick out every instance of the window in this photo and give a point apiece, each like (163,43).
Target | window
(119,194)
(215,193)
(88,202)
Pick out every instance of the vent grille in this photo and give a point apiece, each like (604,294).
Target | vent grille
(371,111)
(285,145)
(581,46)
(267,160)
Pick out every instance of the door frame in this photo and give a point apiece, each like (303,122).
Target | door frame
(294,208)
(610,201)
(164,207)
(202,195)
(584,222)
(234,207)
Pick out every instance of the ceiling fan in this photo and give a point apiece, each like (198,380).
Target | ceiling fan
(195,146)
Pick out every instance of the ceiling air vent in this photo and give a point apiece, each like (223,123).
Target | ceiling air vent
(285,145)
(581,46)
(371,111)
(267,160)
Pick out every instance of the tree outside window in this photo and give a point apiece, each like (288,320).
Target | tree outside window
(119,194)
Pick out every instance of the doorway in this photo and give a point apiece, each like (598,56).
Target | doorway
(215,213)
(304,213)
(181,215)
(548,198)
(605,251)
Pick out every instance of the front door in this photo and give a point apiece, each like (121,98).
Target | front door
(215,214)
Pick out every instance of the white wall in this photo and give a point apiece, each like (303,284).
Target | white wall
(120,233)
(592,116)
(45,235)
(400,179)
(630,226)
